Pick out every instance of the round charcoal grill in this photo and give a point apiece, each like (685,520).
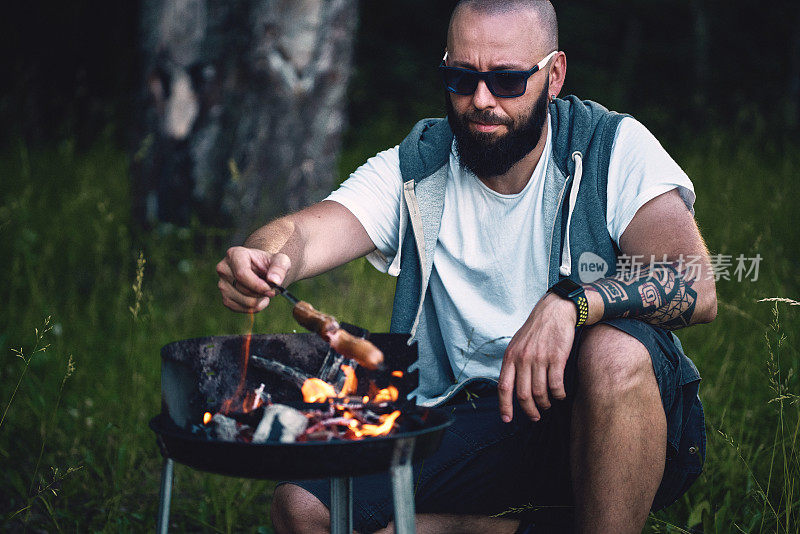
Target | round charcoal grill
(198,374)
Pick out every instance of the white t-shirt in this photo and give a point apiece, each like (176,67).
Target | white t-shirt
(490,265)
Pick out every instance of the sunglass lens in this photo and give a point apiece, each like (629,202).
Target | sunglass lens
(508,84)
(460,82)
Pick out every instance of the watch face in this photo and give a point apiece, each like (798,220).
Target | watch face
(568,286)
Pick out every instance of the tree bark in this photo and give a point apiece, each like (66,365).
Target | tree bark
(243,108)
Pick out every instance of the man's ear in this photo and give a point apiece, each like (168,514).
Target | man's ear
(558,73)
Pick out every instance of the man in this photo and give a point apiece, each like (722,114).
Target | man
(487,219)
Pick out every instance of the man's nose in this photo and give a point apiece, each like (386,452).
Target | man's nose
(482,98)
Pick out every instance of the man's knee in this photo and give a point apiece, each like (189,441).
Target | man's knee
(296,510)
(611,362)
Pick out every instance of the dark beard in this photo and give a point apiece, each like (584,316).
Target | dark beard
(487,156)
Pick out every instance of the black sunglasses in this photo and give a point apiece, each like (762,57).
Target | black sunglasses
(501,83)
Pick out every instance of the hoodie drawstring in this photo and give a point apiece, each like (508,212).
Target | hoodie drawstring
(566,257)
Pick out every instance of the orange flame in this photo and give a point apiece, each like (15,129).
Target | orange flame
(350,381)
(316,390)
(397,373)
(389,394)
(387,421)
(228,404)
(206,418)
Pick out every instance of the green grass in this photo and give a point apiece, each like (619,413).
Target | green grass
(75,450)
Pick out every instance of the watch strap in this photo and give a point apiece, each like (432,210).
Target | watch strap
(567,289)
(582,304)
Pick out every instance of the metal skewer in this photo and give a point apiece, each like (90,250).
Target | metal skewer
(343,342)
(284,293)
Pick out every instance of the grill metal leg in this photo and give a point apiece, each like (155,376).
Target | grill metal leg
(165,496)
(403,487)
(341,505)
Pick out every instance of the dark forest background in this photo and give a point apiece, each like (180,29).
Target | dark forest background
(71,69)
(88,296)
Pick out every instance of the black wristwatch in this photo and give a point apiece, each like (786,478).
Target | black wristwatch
(567,289)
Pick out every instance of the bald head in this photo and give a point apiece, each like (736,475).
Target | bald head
(546,31)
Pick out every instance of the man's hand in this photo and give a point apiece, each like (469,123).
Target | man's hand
(241,277)
(536,356)
(296,246)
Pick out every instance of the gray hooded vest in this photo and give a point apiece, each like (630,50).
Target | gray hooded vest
(574,208)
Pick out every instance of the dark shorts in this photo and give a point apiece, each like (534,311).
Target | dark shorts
(487,467)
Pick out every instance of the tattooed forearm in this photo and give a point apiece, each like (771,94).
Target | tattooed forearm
(660,295)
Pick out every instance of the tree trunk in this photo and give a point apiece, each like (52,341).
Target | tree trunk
(243,108)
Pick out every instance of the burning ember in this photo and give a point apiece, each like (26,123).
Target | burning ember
(346,417)
(317,390)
